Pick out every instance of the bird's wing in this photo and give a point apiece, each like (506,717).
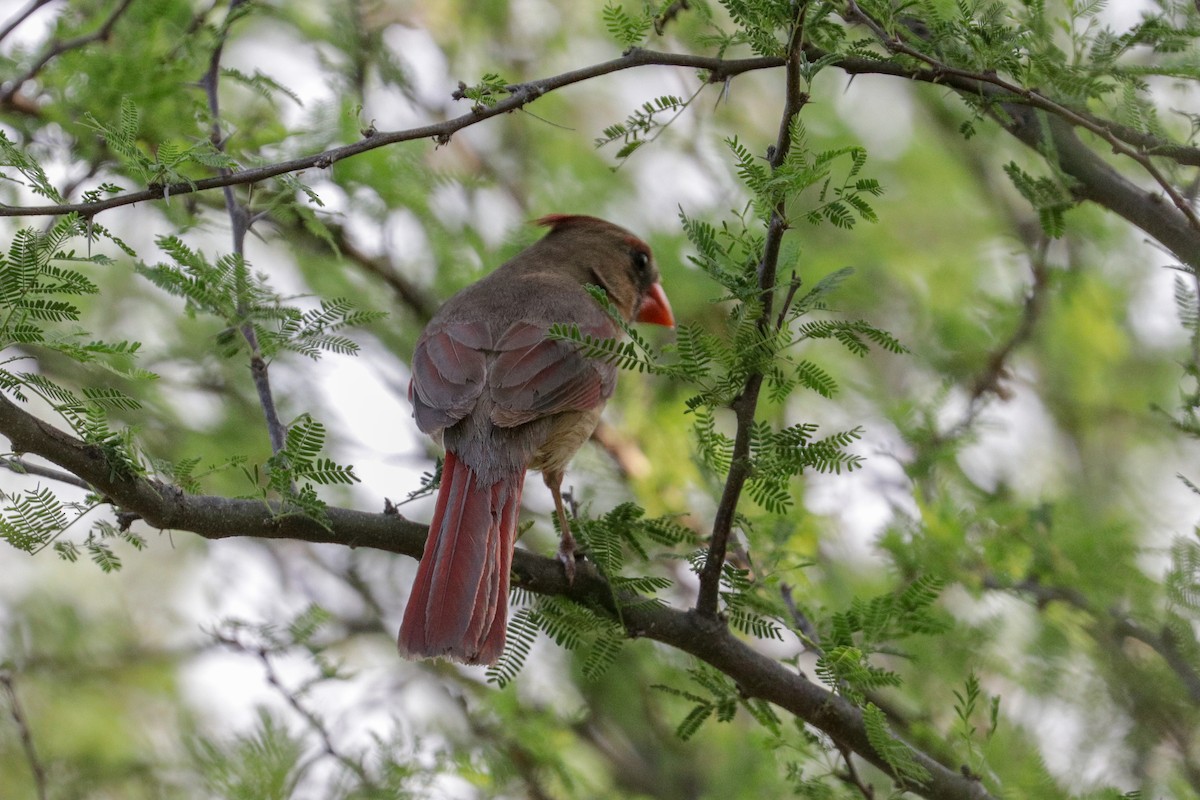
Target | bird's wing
(534,376)
(449,369)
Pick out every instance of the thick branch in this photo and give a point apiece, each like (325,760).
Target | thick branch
(1096,180)
(708,639)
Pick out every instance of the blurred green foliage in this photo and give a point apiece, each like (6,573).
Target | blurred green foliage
(1008,582)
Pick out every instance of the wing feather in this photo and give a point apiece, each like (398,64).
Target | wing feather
(527,376)
(535,377)
(449,371)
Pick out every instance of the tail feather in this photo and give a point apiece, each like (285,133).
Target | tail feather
(459,603)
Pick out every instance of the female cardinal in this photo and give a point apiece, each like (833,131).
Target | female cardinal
(505,397)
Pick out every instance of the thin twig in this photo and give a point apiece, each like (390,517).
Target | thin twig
(239,219)
(412,296)
(801,622)
(793,287)
(314,721)
(26,736)
(523,761)
(745,406)
(990,380)
(20,18)
(23,467)
(57,48)
(328,748)
(851,777)
(519,96)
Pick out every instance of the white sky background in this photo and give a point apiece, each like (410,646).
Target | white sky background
(372,429)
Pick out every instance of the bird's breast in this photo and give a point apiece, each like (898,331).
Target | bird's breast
(568,431)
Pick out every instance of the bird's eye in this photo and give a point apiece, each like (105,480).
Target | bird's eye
(641,260)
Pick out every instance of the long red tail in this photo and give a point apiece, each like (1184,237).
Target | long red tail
(459,603)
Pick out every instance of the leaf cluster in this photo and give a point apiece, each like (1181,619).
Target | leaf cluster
(1050,198)
(170,161)
(841,193)
(717,697)
(490,90)
(245,302)
(720,364)
(40,290)
(570,625)
(643,125)
(625,28)
(292,471)
(611,542)
(872,626)
(764,25)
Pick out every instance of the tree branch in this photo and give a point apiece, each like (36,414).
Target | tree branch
(990,380)
(31,756)
(1049,133)
(1164,644)
(1031,98)
(1174,227)
(292,698)
(745,406)
(520,96)
(57,48)
(412,296)
(239,221)
(20,18)
(23,467)
(166,507)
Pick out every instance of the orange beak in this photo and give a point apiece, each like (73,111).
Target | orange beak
(655,309)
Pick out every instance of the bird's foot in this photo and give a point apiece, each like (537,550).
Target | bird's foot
(566,555)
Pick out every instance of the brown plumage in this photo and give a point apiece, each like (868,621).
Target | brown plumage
(505,398)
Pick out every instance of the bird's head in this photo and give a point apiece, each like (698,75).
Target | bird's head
(612,258)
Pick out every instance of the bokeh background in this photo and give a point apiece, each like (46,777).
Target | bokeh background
(1024,445)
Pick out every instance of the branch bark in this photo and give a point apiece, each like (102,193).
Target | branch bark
(745,407)
(519,96)
(1050,132)
(1041,130)
(57,48)
(166,507)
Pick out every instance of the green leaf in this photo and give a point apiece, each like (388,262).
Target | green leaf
(628,30)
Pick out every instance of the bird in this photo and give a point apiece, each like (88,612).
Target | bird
(504,397)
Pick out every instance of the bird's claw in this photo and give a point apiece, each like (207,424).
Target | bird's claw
(566,556)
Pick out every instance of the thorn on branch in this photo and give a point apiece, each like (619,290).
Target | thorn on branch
(525,92)
(126,519)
